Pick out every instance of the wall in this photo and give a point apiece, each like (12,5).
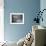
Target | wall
(43,6)
(1,21)
(29,8)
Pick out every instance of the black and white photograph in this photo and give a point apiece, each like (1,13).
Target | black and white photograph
(16,18)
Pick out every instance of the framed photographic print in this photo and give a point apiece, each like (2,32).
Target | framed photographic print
(16,18)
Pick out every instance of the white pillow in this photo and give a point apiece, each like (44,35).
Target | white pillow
(21,42)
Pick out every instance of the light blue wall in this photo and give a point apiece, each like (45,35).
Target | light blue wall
(43,6)
(28,7)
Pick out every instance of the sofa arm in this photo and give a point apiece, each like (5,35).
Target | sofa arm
(39,37)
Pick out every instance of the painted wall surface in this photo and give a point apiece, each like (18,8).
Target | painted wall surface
(43,6)
(29,8)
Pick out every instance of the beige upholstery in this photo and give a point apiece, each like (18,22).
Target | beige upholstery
(39,35)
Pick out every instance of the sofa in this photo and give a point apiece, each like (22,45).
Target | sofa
(39,33)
